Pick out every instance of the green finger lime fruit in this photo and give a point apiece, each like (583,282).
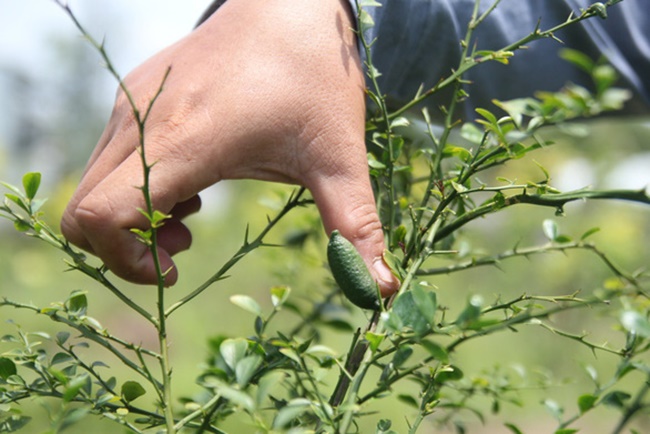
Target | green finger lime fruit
(350,273)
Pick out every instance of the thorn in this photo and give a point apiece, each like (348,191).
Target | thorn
(167,271)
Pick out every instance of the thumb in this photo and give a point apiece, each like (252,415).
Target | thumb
(349,206)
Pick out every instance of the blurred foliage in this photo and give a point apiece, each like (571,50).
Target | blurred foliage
(552,367)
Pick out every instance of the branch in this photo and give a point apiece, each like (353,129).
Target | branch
(293,202)
(554,200)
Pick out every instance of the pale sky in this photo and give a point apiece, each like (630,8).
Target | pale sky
(133,30)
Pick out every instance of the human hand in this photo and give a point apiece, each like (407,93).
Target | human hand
(270,91)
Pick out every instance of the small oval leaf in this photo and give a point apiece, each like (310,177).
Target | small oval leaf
(232,351)
(31,182)
(279,295)
(247,303)
(245,369)
(7,368)
(132,390)
(550,229)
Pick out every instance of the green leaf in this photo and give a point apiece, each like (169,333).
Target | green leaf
(399,235)
(99,364)
(9,338)
(143,236)
(74,387)
(320,349)
(604,76)
(245,369)
(132,390)
(456,151)
(614,98)
(72,416)
(471,133)
(401,356)
(593,374)
(267,384)
(62,337)
(279,295)
(58,376)
(513,428)
(586,402)
(589,233)
(393,321)
(61,358)
(425,300)
(373,163)
(365,19)
(383,427)
(14,423)
(111,383)
(449,373)
(487,115)
(372,71)
(233,350)
(43,335)
(471,312)
(158,219)
(435,350)
(516,108)
(616,399)
(339,325)
(7,368)
(409,315)
(458,187)
(374,340)
(395,264)
(398,145)
(291,354)
(578,59)
(78,303)
(21,225)
(566,431)
(31,182)
(93,323)
(400,122)
(289,412)
(408,400)
(634,322)
(17,200)
(247,303)
(235,396)
(554,408)
(550,229)
(37,204)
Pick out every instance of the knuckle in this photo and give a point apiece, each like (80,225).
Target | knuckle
(128,270)
(368,226)
(93,212)
(71,230)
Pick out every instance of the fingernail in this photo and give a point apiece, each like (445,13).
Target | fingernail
(387,281)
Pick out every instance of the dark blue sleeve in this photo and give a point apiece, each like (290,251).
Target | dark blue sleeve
(418,41)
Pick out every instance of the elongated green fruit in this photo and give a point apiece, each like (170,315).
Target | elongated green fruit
(351,273)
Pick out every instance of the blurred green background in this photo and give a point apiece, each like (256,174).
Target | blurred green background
(53,114)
